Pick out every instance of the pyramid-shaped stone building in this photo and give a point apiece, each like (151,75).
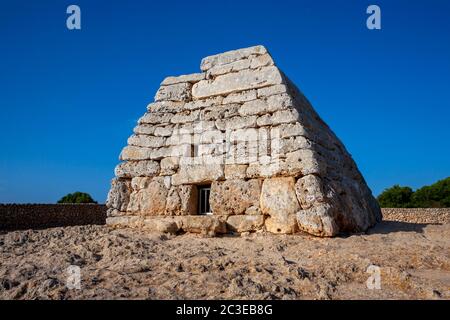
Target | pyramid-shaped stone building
(237,148)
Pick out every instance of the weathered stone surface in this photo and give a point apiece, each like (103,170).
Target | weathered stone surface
(278,199)
(161,224)
(182,200)
(238,81)
(146,141)
(235,171)
(144,129)
(309,190)
(169,166)
(287,225)
(318,220)
(131,169)
(203,103)
(259,107)
(119,194)
(261,61)
(230,56)
(165,131)
(228,68)
(236,123)
(245,223)
(279,117)
(240,97)
(148,197)
(268,91)
(191,78)
(155,118)
(165,106)
(195,174)
(175,92)
(234,196)
(207,225)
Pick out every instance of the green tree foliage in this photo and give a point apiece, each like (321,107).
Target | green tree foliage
(435,196)
(396,197)
(77,197)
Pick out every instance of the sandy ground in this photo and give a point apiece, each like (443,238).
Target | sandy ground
(414,261)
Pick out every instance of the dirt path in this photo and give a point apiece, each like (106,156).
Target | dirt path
(414,261)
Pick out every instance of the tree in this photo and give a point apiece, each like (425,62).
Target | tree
(77,197)
(436,195)
(396,197)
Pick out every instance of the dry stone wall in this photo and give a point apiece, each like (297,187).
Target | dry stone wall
(242,126)
(40,216)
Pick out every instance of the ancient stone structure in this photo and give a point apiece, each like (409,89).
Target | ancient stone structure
(237,148)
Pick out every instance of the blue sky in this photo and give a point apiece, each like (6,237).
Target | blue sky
(69,99)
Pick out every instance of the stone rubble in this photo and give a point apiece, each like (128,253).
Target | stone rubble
(244,128)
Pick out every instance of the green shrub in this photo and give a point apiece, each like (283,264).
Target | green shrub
(77,197)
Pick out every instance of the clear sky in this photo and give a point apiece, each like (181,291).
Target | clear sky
(69,99)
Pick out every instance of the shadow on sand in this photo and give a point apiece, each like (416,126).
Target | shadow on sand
(386,227)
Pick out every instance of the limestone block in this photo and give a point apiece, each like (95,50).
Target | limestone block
(175,92)
(207,225)
(203,103)
(280,101)
(283,116)
(235,171)
(131,169)
(148,197)
(220,112)
(245,223)
(238,81)
(309,190)
(165,106)
(318,220)
(195,174)
(230,56)
(164,131)
(191,78)
(146,141)
(228,68)
(259,107)
(144,129)
(261,61)
(240,97)
(234,196)
(169,165)
(185,116)
(182,200)
(284,226)
(278,198)
(132,153)
(155,118)
(236,123)
(161,224)
(269,91)
(119,194)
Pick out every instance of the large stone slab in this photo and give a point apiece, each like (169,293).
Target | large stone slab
(231,56)
(239,81)
(149,196)
(279,201)
(234,196)
(131,169)
(245,223)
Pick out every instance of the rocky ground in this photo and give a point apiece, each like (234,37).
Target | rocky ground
(128,264)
